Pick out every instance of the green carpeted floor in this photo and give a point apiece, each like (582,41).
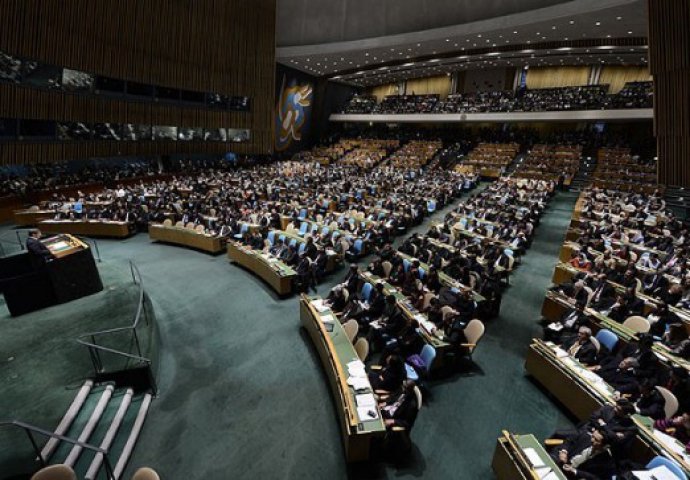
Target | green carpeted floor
(243,395)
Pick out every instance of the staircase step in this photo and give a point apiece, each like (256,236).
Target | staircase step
(63,448)
(133,436)
(90,426)
(67,419)
(109,437)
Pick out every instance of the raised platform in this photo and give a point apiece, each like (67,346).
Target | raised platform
(42,363)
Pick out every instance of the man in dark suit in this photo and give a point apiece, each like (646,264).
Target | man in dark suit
(581,348)
(569,323)
(622,377)
(588,457)
(39,253)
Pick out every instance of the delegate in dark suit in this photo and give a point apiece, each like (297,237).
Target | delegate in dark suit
(37,250)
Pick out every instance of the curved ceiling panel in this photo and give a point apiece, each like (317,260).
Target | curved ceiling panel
(306,22)
(562,27)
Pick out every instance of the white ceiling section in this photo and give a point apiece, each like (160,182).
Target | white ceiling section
(494,28)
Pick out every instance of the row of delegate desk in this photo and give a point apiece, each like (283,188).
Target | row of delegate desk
(90,228)
(580,390)
(360,425)
(275,273)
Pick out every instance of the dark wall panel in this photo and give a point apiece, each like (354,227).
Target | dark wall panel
(222,46)
(669,60)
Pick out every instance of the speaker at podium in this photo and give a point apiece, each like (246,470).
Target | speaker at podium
(40,278)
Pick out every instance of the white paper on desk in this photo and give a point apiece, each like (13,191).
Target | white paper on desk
(365,400)
(550,476)
(544,472)
(328,318)
(318,305)
(355,363)
(560,353)
(356,369)
(555,326)
(657,473)
(363,414)
(428,326)
(533,457)
(359,383)
(669,442)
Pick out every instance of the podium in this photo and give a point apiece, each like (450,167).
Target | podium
(29,285)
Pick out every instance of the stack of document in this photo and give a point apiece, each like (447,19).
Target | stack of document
(319,306)
(365,400)
(543,471)
(328,318)
(366,407)
(356,369)
(359,383)
(555,326)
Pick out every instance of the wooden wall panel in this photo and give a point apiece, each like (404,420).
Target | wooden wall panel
(546,77)
(439,84)
(380,91)
(669,60)
(223,46)
(616,76)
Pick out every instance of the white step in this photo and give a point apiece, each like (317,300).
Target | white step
(67,419)
(133,436)
(110,435)
(90,426)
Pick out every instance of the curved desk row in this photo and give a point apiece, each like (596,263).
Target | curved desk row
(271,270)
(358,428)
(582,392)
(89,228)
(187,238)
(30,217)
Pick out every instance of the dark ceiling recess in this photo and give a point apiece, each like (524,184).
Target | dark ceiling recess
(306,22)
(591,43)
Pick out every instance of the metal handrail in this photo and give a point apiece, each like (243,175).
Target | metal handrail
(31,429)
(95,349)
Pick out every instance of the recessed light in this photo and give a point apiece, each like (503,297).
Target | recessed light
(597,23)
(572,22)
